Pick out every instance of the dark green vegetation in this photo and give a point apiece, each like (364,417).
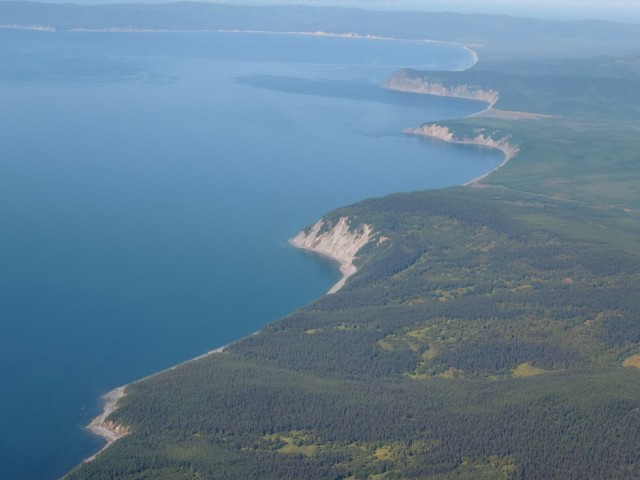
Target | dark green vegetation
(483,339)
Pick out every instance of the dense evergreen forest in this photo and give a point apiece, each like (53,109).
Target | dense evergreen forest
(485,332)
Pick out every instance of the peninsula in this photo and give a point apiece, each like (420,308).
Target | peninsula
(404,81)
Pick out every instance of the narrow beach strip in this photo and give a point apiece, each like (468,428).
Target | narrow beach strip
(107,429)
(111,431)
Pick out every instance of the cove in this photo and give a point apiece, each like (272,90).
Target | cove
(149,184)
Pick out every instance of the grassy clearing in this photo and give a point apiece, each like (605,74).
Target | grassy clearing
(294,442)
(525,370)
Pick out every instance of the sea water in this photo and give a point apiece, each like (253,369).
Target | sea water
(148,185)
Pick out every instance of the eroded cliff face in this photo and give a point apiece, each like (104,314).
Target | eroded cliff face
(339,242)
(108,429)
(481,138)
(404,81)
(118,430)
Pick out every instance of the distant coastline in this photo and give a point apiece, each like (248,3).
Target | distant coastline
(407,81)
(318,33)
(322,33)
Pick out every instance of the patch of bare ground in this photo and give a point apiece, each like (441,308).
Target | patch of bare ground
(632,362)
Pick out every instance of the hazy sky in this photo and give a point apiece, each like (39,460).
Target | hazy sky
(617,10)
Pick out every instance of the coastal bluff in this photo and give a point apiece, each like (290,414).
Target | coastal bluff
(338,241)
(405,80)
(480,137)
(102,426)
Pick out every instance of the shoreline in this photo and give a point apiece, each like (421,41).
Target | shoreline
(475,180)
(110,431)
(445,135)
(339,243)
(318,33)
(344,252)
(507,156)
(474,55)
(102,427)
(346,268)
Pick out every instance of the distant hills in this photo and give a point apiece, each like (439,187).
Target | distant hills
(504,34)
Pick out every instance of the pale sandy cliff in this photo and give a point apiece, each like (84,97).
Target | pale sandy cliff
(404,81)
(480,138)
(338,242)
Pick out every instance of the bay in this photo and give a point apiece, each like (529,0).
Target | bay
(148,185)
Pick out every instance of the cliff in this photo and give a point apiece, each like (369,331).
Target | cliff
(108,429)
(404,81)
(481,138)
(338,242)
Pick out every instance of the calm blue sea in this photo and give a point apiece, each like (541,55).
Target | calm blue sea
(148,185)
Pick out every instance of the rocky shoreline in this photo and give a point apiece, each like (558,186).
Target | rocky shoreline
(105,428)
(108,429)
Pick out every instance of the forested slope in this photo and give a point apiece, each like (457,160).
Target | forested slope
(484,337)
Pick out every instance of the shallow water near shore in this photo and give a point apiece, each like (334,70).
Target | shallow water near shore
(149,184)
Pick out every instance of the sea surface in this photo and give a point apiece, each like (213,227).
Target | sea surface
(148,185)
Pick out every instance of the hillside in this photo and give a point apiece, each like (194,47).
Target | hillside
(503,36)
